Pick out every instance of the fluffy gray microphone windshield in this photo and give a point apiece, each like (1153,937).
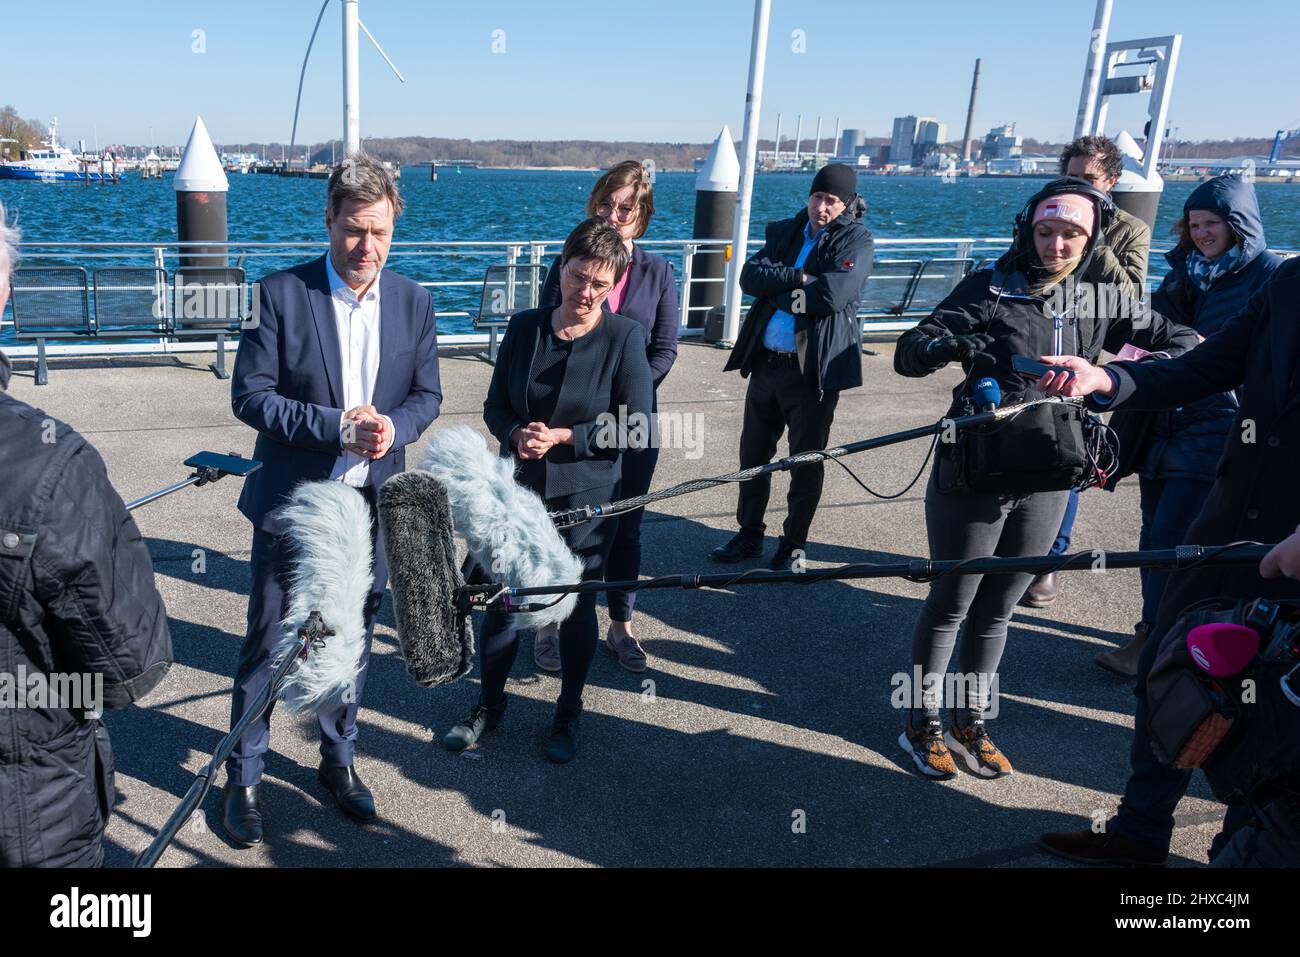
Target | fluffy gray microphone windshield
(424,578)
(506,527)
(328,526)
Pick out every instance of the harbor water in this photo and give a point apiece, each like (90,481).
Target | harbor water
(515,205)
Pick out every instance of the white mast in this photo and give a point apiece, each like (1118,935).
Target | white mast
(351,79)
(749,147)
(1092,70)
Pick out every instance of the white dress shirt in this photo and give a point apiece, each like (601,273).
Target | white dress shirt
(357,323)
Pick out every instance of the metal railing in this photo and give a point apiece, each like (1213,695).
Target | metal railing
(454,270)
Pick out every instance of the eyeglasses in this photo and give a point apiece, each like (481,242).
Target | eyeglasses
(581,280)
(623,214)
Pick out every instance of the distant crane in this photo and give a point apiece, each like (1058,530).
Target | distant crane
(1282,138)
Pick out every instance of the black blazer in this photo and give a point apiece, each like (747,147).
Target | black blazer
(650,299)
(606,385)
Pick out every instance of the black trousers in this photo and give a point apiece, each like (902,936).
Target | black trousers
(579,633)
(779,398)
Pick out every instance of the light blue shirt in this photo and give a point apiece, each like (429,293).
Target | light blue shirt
(779,334)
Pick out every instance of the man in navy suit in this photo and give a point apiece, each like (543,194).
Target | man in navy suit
(338,376)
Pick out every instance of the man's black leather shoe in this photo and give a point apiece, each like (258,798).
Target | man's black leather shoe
(353,797)
(740,547)
(784,552)
(241,814)
(1107,849)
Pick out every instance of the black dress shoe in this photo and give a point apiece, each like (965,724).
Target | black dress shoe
(784,552)
(241,815)
(1106,849)
(353,797)
(740,547)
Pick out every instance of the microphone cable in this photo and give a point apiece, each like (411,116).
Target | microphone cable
(921,571)
(586,513)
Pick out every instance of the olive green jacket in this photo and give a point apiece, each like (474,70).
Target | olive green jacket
(1122,259)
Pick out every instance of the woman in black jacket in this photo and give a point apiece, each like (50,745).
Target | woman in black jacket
(1003,492)
(624,195)
(566,380)
(1221,260)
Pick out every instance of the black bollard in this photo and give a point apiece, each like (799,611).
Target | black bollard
(716,188)
(201,186)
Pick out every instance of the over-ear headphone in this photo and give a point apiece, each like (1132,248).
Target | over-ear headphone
(1067,184)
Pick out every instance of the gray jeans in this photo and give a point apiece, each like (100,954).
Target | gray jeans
(962,524)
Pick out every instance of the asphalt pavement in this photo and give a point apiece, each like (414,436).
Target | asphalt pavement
(764,731)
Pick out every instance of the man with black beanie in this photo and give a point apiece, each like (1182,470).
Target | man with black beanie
(802,343)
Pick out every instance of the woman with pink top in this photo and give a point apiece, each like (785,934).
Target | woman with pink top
(647,293)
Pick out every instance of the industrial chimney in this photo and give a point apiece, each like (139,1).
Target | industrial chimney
(970,113)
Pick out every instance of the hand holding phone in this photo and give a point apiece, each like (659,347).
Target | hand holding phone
(1034,367)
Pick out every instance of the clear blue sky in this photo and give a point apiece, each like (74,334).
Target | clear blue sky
(659,70)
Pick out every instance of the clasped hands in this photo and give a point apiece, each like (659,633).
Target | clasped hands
(366,432)
(534,440)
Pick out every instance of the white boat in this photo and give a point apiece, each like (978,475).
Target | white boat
(56,164)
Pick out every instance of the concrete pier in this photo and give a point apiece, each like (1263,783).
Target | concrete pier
(765,701)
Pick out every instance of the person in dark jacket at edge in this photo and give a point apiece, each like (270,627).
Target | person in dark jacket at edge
(78,611)
(1120,262)
(1253,499)
(1032,301)
(1221,260)
(624,196)
(800,346)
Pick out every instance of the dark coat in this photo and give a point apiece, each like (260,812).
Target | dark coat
(1186,442)
(288,381)
(650,299)
(826,326)
(606,373)
(1253,497)
(77,596)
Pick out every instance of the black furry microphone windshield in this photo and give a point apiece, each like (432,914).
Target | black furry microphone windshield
(424,578)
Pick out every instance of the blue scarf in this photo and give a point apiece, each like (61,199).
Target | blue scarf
(1205,271)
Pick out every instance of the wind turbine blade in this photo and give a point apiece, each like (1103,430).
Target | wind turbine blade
(293,136)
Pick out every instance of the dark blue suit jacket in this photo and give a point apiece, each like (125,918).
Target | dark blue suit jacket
(288,381)
(650,299)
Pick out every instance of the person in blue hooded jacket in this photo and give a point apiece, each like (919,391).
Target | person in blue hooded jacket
(1219,263)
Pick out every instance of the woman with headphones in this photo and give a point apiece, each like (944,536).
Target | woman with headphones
(1002,490)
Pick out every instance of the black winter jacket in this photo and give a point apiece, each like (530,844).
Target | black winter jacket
(826,327)
(1254,496)
(77,597)
(999,305)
